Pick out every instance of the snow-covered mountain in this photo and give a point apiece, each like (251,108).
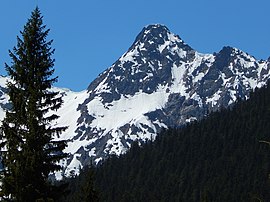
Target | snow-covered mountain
(159,82)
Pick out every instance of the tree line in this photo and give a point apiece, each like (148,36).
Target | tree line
(224,157)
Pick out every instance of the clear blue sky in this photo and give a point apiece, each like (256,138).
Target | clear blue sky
(90,35)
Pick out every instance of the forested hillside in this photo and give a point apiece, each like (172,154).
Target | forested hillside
(221,158)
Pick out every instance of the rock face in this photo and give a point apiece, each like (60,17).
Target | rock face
(159,82)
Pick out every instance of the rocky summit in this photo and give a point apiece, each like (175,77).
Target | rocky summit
(159,82)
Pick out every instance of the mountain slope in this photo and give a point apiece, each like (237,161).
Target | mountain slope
(223,157)
(159,82)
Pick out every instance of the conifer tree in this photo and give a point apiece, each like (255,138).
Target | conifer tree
(29,153)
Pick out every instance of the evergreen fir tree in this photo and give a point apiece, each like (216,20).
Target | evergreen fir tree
(29,153)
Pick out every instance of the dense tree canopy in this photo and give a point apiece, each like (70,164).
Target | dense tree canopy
(221,158)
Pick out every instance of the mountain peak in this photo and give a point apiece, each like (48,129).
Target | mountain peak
(157,27)
(230,50)
(156,33)
(156,42)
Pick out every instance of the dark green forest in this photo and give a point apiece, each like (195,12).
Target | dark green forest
(221,158)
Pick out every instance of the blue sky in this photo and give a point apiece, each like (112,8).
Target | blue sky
(90,35)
